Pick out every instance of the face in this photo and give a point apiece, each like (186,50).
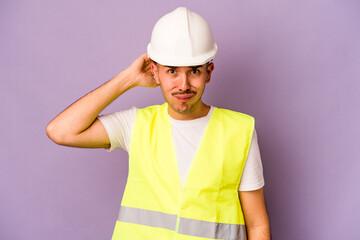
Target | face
(183,87)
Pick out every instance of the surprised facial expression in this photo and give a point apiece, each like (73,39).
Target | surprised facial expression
(183,87)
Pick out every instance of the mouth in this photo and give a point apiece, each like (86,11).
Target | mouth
(184,96)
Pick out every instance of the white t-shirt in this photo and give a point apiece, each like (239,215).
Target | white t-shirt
(187,136)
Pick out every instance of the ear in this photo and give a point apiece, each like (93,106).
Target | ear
(209,69)
(155,70)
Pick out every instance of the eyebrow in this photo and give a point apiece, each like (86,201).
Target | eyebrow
(198,66)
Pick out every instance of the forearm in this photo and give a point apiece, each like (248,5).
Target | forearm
(81,114)
(259,232)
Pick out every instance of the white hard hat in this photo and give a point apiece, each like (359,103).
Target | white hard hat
(182,38)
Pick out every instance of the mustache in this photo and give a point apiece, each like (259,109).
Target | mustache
(185,92)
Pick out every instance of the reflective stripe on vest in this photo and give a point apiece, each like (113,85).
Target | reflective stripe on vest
(187,226)
(155,205)
(147,218)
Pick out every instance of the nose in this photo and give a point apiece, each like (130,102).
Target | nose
(184,82)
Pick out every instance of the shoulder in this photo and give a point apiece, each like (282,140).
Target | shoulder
(150,110)
(233,115)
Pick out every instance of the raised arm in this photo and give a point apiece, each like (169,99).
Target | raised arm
(77,125)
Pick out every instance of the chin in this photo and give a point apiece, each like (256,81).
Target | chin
(181,108)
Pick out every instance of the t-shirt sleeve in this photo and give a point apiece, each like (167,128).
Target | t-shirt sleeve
(252,177)
(118,126)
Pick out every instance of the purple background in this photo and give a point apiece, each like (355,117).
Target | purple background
(294,65)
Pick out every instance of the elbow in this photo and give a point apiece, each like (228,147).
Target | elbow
(55,134)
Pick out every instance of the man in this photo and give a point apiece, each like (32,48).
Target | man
(187,174)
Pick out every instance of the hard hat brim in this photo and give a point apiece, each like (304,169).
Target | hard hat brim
(179,62)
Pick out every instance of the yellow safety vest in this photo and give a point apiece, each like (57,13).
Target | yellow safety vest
(154,204)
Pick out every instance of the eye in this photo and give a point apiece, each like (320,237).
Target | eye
(172,71)
(195,71)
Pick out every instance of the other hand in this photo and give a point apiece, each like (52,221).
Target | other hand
(141,73)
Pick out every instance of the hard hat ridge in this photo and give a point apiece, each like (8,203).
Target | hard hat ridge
(182,38)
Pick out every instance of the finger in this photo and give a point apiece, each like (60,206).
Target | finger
(145,57)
